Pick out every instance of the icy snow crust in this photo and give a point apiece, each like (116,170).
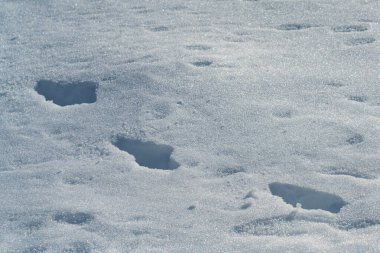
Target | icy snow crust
(230,116)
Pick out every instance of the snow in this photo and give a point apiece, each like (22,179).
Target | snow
(189,126)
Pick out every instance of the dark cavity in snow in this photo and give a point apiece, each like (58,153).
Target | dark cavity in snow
(77,218)
(291,27)
(198,47)
(308,198)
(202,63)
(229,171)
(357,224)
(274,226)
(160,29)
(63,93)
(360,99)
(342,171)
(350,28)
(192,207)
(35,249)
(148,154)
(355,139)
(78,247)
(360,41)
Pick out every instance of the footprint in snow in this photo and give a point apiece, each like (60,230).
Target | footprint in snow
(198,47)
(65,93)
(350,28)
(282,113)
(356,98)
(35,249)
(148,154)
(204,63)
(360,41)
(293,26)
(308,198)
(78,247)
(160,29)
(74,218)
(355,139)
(344,171)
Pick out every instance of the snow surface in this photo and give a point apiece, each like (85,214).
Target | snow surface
(189,126)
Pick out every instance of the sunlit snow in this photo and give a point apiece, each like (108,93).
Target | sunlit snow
(189,126)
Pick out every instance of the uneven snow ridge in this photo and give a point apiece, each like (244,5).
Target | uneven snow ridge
(189,126)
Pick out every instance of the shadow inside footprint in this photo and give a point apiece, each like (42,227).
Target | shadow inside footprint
(293,26)
(227,171)
(78,247)
(360,41)
(202,63)
(355,139)
(63,94)
(77,218)
(360,99)
(308,198)
(148,154)
(357,224)
(198,47)
(343,171)
(35,249)
(274,226)
(350,28)
(160,29)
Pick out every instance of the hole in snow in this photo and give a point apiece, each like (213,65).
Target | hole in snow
(198,47)
(223,172)
(78,247)
(360,41)
(308,198)
(291,27)
(360,99)
(357,224)
(148,154)
(63,94)
(343,171)
(77,218)
(160,29)
(202,63)
(355,139)
(35,249)
(350,28)
(275,226)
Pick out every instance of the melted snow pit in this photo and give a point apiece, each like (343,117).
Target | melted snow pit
(148,154)
(308,198)
(63,94)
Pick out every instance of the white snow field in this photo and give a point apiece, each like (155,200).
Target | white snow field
(189,126)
